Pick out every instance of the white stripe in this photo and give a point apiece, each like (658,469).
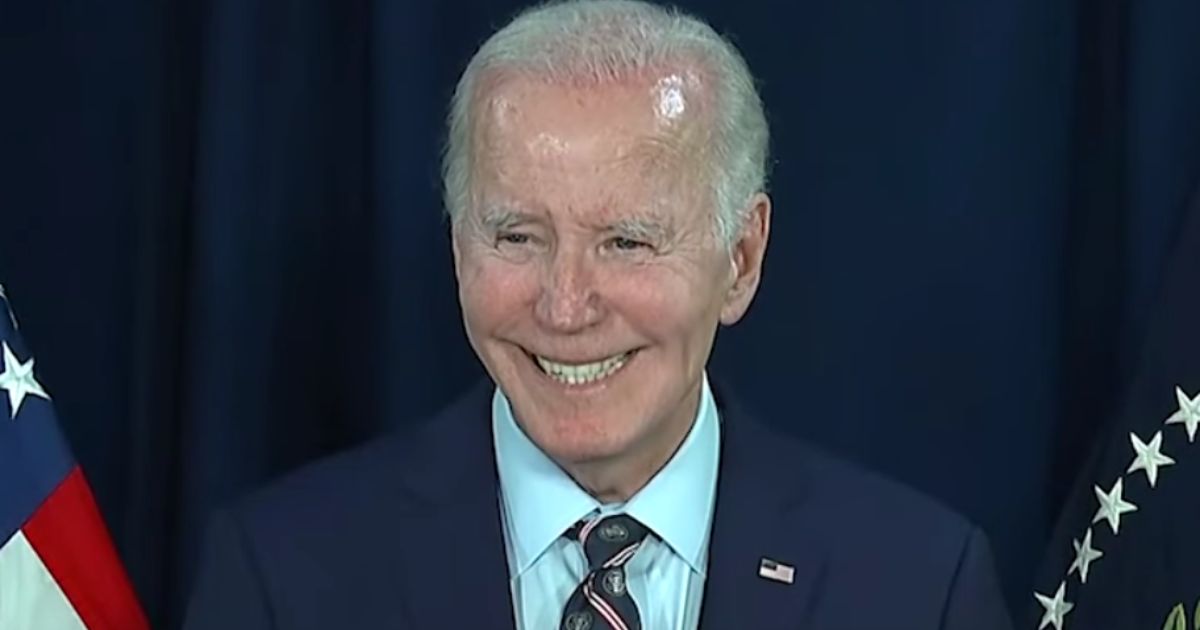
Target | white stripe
(621,556)
(610,615)
(587,529)
(30,599)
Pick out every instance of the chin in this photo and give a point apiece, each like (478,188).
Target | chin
(578,440)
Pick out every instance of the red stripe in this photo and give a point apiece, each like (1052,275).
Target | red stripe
(70,537)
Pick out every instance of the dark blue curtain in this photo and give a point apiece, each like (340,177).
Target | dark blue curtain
(220,223)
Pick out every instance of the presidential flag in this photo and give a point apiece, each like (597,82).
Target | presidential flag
(1126,553)
(58,568)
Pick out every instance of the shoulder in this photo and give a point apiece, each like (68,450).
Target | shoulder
(846,488)
(398,473)
(881,536)
(859,513)
(333,536)
(815,476)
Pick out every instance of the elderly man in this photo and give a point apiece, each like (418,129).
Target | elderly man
(604,177)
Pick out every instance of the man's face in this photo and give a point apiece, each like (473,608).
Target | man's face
(590,279)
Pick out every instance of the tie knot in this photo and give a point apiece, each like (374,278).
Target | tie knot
(610,541)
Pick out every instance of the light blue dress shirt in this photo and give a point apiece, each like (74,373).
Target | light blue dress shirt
(539,501)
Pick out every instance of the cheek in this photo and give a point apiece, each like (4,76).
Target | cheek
(492,290)
(662,301)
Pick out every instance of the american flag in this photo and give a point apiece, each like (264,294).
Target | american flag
(58,567)
(1126,552)
(776,571)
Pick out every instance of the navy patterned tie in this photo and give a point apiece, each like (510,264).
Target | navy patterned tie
(602,601)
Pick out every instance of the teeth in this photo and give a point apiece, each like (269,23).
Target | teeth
(584,373)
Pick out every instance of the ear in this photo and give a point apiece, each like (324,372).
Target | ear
(746,257)
(459,230)
(454,247)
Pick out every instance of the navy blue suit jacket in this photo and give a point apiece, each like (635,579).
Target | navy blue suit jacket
(405,532)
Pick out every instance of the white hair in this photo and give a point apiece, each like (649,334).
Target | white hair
(599,41)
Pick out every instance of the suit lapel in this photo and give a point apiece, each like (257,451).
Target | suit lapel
(459,578)
(456,573)
(758,515)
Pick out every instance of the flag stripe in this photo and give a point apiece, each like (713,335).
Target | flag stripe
(34,459)
(29,597)
(72,541)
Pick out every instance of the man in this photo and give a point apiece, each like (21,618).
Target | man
(604,177)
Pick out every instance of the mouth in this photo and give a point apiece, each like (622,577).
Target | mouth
(581,373)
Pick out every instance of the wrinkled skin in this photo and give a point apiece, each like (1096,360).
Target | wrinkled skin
(590,235)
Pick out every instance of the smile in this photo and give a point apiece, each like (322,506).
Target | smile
(583,373)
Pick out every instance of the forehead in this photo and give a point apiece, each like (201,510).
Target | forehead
(650,120)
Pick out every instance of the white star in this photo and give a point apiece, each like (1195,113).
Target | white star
(1149,456)
(1188,414)
(1112,506)
(1085,554)
(1056,607)
(18,379)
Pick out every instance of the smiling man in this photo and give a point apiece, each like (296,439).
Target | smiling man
(604,177)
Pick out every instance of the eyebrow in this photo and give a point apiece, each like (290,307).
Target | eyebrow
(505,216)
(642,228)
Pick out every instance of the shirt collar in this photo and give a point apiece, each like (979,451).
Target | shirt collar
(541,501)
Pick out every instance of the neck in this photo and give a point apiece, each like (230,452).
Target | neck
(618,478)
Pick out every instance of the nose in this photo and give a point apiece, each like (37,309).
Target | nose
(568,301)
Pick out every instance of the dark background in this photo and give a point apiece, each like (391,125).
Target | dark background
(220,225)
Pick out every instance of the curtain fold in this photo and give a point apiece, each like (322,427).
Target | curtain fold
(232,207)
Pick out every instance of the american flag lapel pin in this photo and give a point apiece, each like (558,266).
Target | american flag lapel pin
(776,571)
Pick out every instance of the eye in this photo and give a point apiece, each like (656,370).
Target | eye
(627,244)
(513,238)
